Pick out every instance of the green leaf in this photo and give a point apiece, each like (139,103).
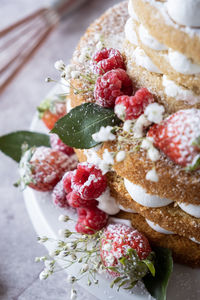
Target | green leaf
(76,128)
(195,165)
(196,142)
(150,266)
(157,286)
(115,281)
(123,260)
(11,144)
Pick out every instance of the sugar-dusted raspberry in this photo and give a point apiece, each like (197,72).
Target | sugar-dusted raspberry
(106,60)
(111,85)
(76,201)
(67,181)
(129,108)
(117,239)
(90,220)
(59,195)
(42,168)
(88,181)
(57,144)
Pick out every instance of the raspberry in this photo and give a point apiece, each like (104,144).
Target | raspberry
(88,181)
(133,107)
(42,168)
(59,195)
(67,181)
(76,201)
(90,220)
(57,144)
(106,60)
(178,137)
(111,85)
(117,239)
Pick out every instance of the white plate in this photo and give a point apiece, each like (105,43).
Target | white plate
(184,283)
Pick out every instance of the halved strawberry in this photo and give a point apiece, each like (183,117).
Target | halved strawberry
(178,136)
(51,111)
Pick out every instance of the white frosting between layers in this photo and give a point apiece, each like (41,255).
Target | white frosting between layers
(112,220)
(178,61)
(181,64)
(185,13)
(131,11)
(194,240)
(157,228)
(176,91)
(142,60)
(191,209)
(140,196)
(149,40)
(127,209)
(162,8)
(130,32)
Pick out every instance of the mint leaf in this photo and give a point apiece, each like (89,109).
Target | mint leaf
(11,144)
(76,128)
(157,286)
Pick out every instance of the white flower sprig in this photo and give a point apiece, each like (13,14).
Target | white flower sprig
(73,248)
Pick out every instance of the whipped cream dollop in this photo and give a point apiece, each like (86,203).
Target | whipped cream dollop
(157,228)
(140,196)
(182,64)
(184,12)
(191,209)
(131,11)
(107,203)
(149,40)
(176,91)
(130,33)
(142,60)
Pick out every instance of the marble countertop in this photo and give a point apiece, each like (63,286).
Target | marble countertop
(18,247)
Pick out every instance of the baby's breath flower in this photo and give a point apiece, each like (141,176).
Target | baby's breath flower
(70,246)
(59,65)
(37,259)
(42,239)
(49,264)
(64,233)
(43,275)
(43,258)
(84,268)
(48,79)
(63,218)
(73,294)
(75,74)
(73,256)
(71,279)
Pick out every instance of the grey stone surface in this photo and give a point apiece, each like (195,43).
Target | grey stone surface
(18,247)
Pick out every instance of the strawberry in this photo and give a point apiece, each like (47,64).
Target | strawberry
(59,195)
(123,246)
(178,137)
(42,168)
(51,111)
